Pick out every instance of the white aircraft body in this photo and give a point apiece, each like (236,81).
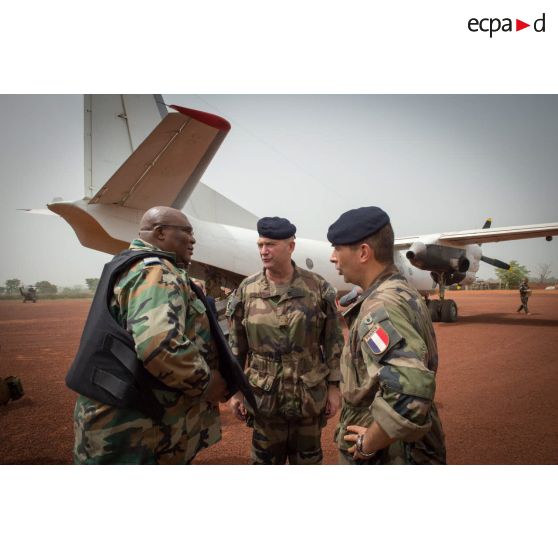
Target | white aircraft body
(138,155)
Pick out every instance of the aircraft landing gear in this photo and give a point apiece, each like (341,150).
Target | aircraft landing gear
(448,311)
(442,310)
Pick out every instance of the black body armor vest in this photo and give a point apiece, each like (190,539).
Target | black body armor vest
(106,367)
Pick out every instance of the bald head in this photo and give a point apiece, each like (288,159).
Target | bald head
(168,229)
(160,215)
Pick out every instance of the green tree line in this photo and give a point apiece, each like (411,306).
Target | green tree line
(11,288)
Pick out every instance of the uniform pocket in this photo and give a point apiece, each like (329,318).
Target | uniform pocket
(198,306)
(262,376)
(313,390)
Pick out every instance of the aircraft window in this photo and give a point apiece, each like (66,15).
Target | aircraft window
(309,263)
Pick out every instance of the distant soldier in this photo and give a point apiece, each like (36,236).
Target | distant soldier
(147,365)
(524,292)
(285,331)
(390,359)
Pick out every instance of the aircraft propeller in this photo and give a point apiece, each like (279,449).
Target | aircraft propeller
(495,262)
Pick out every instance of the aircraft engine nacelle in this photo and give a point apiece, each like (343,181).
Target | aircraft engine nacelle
(473,253)
(470,278)
(455,278)
(438,258)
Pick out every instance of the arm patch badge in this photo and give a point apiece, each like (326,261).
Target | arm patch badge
(377,339)
(232,303)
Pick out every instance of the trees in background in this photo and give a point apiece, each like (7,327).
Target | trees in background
(45,287)
(513,276)
(49,290)
(92,283)
(12,286)
(543,270)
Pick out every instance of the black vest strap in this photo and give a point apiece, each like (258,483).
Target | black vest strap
(228,365)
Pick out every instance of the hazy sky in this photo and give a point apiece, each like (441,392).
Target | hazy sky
(435,163)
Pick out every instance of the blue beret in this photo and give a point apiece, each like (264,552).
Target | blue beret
(277,228)
(357,224)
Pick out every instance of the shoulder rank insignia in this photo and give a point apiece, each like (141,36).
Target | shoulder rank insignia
(151,261)
(377,339)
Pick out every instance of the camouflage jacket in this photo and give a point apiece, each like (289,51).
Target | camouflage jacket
(154,302)
(288,340)
(524,290)
(389,370)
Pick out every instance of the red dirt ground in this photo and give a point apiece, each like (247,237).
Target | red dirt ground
(497,383)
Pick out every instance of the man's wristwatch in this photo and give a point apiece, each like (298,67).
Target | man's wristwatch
(359,442)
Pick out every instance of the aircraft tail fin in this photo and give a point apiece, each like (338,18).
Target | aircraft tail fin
(114,126)
(137,155)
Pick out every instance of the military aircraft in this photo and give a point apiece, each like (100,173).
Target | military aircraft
(138,154)
(29,293)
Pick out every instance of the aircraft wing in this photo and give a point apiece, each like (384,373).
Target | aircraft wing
(166,167)
(482,236)
(405,242)
(499,234)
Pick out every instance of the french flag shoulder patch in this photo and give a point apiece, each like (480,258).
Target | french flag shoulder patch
(377,339)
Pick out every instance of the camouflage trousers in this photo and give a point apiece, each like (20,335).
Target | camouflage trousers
(105,435)
(524,300)
(276,440)
(429,450)
(398,453)
(203,429)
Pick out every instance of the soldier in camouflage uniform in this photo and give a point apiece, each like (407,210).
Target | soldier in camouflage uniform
(389,362)
(154,302)
(284,330)
(524,292)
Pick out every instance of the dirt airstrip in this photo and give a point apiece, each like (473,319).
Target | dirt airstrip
(497,383)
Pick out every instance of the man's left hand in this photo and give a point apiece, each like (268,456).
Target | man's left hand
(374,439)
(333,401)
(356,432)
